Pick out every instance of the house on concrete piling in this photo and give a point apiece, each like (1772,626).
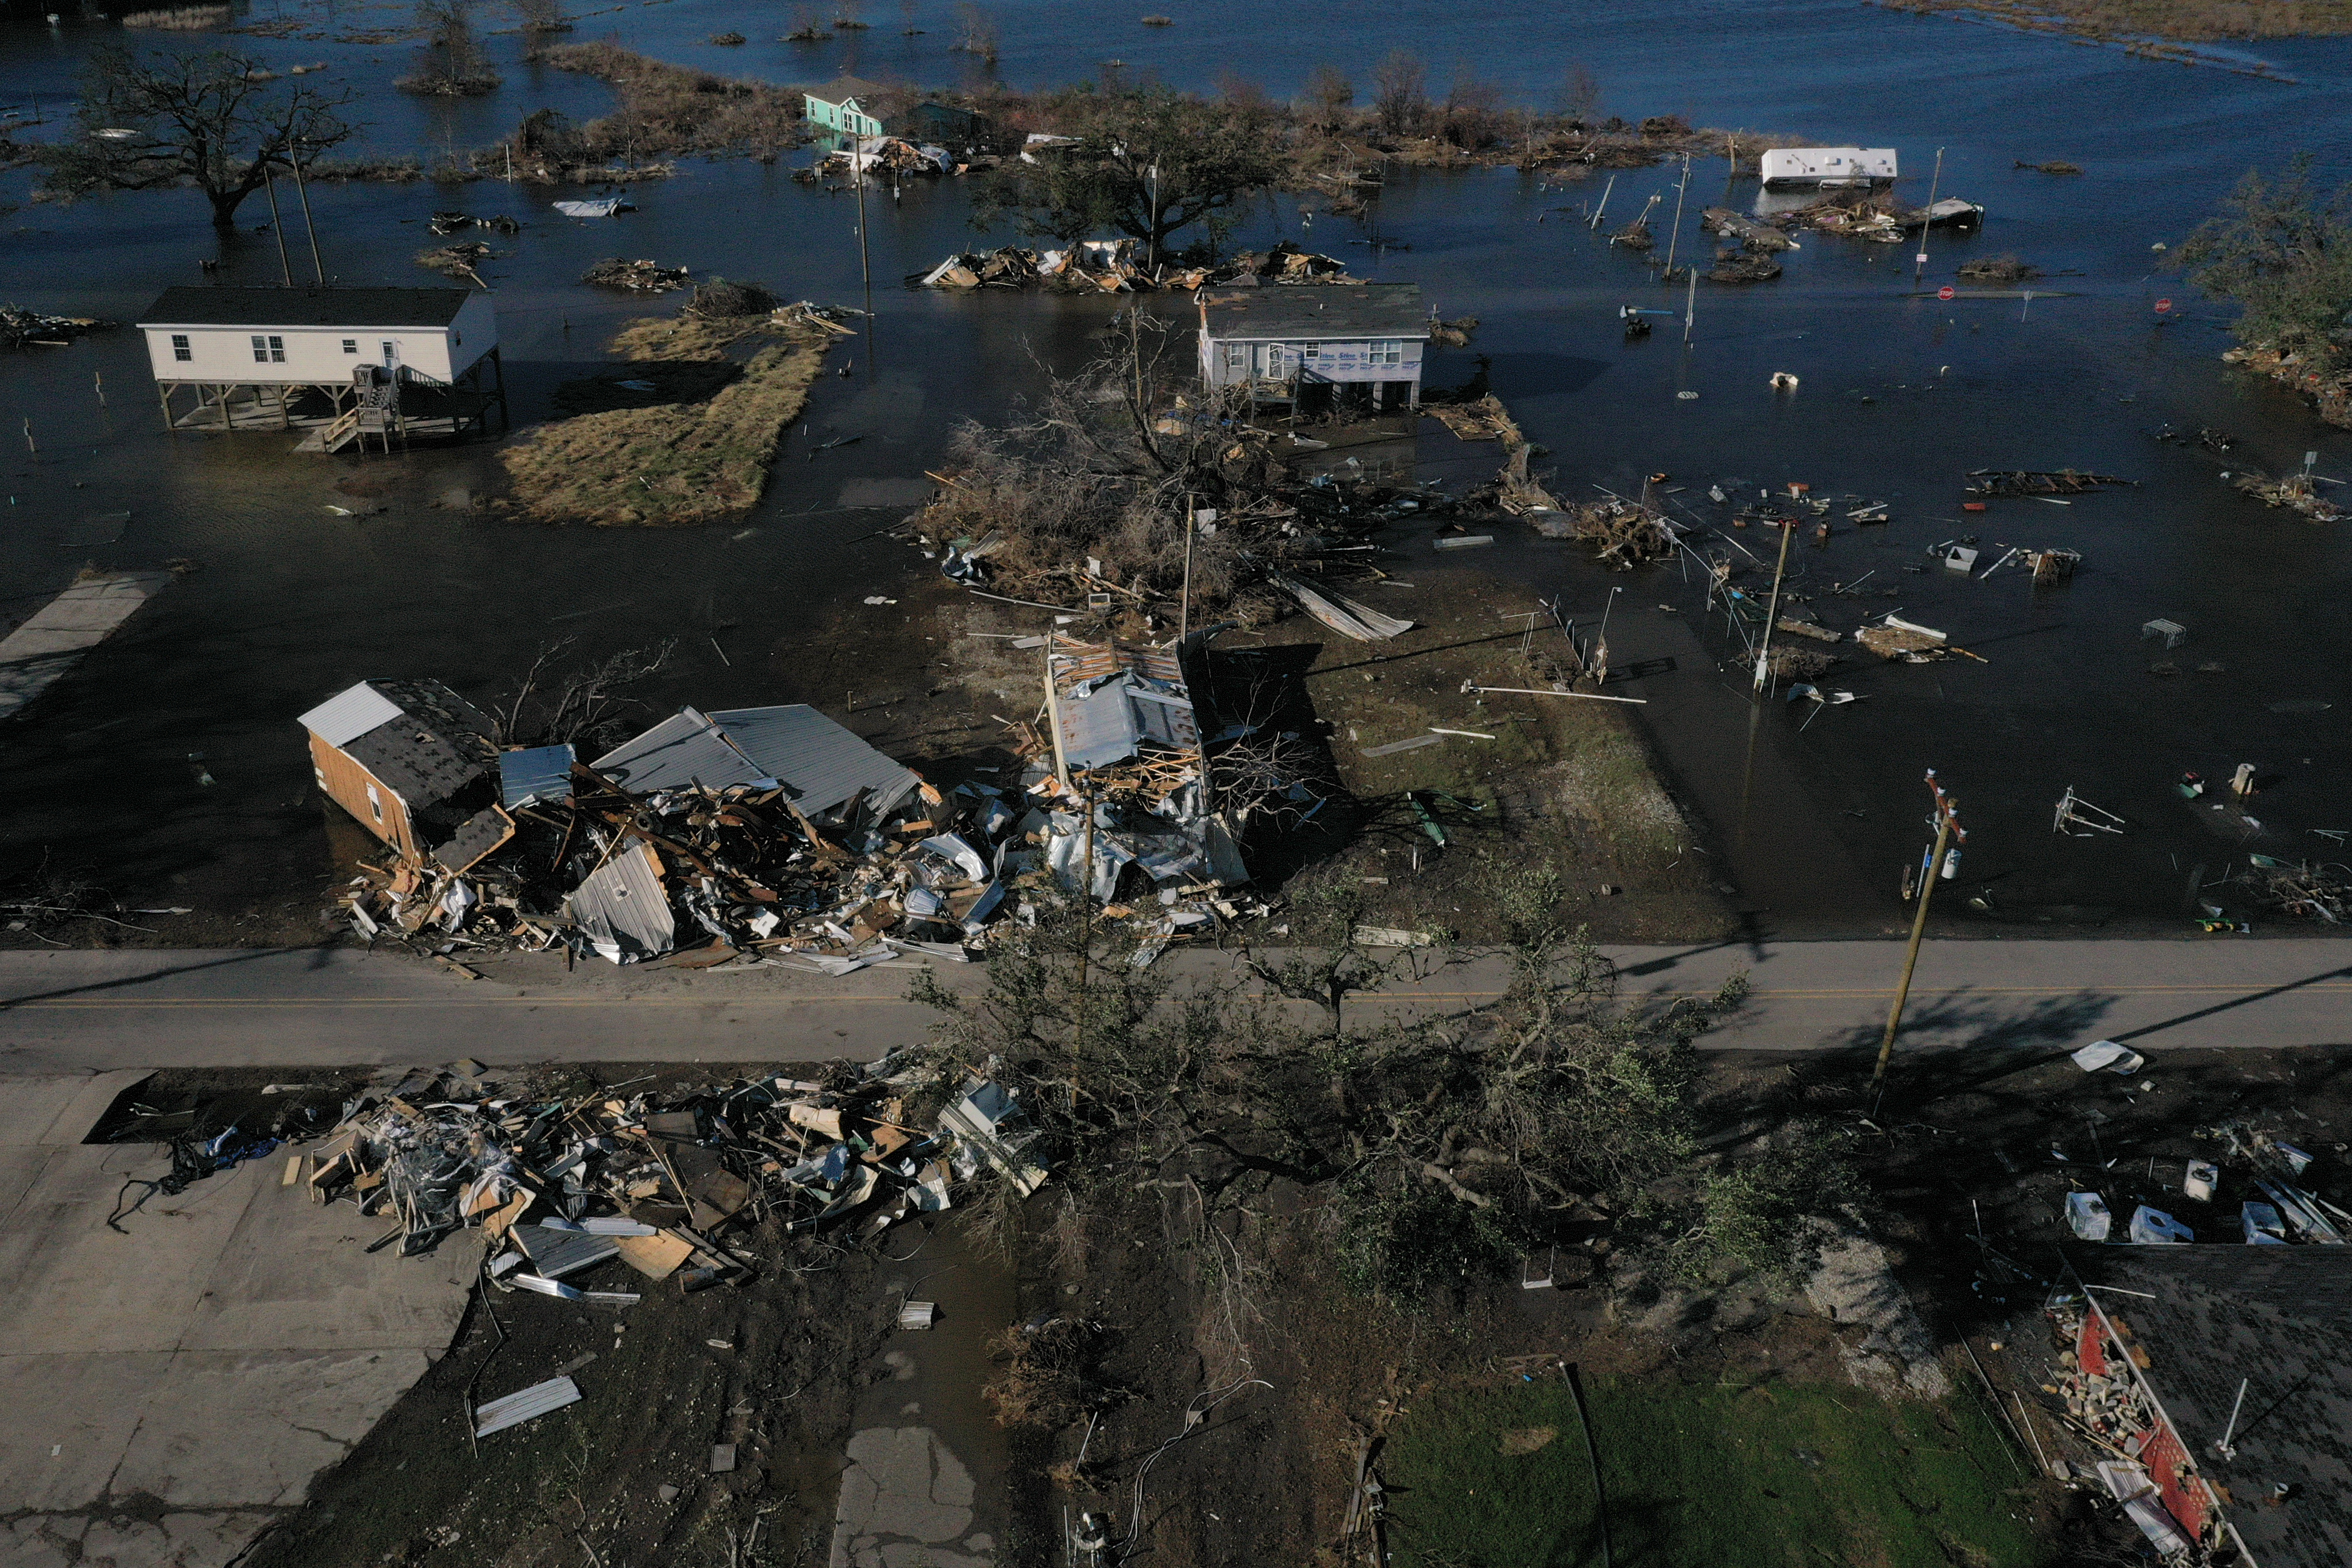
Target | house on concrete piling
(849,109)
(1318,348)
(341,364)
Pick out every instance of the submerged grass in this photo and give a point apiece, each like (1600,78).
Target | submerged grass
(1698,1475)
(2196,20)
(674,464)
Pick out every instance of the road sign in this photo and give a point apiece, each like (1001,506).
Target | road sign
(2162,306)
(1946,292)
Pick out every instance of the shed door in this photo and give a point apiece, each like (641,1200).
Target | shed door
(391,352)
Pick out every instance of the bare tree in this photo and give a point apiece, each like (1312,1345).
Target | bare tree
(1398,95)
(1580,94)
(203,119)
(1328,93)
(451,63)
(583,705)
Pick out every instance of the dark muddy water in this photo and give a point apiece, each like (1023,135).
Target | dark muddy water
(1898,396)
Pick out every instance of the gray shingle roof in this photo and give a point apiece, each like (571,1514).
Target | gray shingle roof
(191,306)
(436,744)
(1306,312)
(2282,1318)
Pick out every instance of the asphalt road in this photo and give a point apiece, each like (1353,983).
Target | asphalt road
(74,1011)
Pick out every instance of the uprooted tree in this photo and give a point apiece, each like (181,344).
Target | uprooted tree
(1148,164)
(1430,1151)
(213,121)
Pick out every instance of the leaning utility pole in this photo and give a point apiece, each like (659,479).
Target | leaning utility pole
(1928,219)
(1773,615)
(1947,827)
(1673,236)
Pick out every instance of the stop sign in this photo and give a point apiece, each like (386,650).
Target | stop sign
(1945,293)
(2162,306)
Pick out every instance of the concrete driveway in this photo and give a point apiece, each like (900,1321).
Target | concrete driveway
(170,1389)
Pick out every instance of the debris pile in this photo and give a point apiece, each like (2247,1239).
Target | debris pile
(1733,265)
(561,1185)
(641,277)
(890,156)
(1623,533)
(444,225)
(774,836)
(1989,482)
(2319,890)
(1117,266)
(1997,270)
(23,329)
(460,260)
(2296,493)
(1751,233)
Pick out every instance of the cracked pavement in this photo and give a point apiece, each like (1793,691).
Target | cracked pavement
(171,1390)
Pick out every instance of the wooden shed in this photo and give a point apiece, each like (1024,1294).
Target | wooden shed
(408,759)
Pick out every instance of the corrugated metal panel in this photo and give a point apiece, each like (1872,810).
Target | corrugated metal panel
(1099,728)
(821,764)
(623,905)
(541,773)
(346,716)
(556,1253)
(525,1405)
(678,752)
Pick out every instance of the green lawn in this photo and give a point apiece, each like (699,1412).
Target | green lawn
(1703,1477)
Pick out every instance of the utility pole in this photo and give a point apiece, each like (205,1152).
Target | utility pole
(1602,210)
(1947,827)
(1926,220)
(1184,604)
(277,225)
(302,193)
(1690,307)
(1772,614)
(1674,236)
(865,265)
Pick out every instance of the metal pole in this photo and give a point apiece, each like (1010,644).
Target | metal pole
(277,225)
(2222,1447)
(865,265)
(1926,218)
(1690,307)
(303,193)
(1184,604)
(1918,927)
(1772,612)
(1674,236)
(1592,1458)
(1602,210)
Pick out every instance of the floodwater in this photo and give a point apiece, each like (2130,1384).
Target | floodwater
(1814,813)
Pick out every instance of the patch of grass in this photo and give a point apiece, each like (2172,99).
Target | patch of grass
(2193,19)
(1787,1476)
(672,464)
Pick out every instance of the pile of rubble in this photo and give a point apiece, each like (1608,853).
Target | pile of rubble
(2296,493)
(642,276)
(561,1184)
(2319,890)
(888,156)
(444,225)
(1117,266)
(462,259)
(774,836)
(20,329)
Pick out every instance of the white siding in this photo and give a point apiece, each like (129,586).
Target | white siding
(1227,362)
(321,354)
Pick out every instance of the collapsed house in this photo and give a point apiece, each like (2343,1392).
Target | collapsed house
(769,834)
(2218,1379)
(1123,266)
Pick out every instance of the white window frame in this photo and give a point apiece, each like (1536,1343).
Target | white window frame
(1387,351)
(181,351)
(375,805)
(1237,358)
(268,349)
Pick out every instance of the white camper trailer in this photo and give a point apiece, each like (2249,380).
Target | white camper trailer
(1827,165)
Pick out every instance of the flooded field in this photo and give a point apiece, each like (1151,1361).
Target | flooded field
(169,765)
